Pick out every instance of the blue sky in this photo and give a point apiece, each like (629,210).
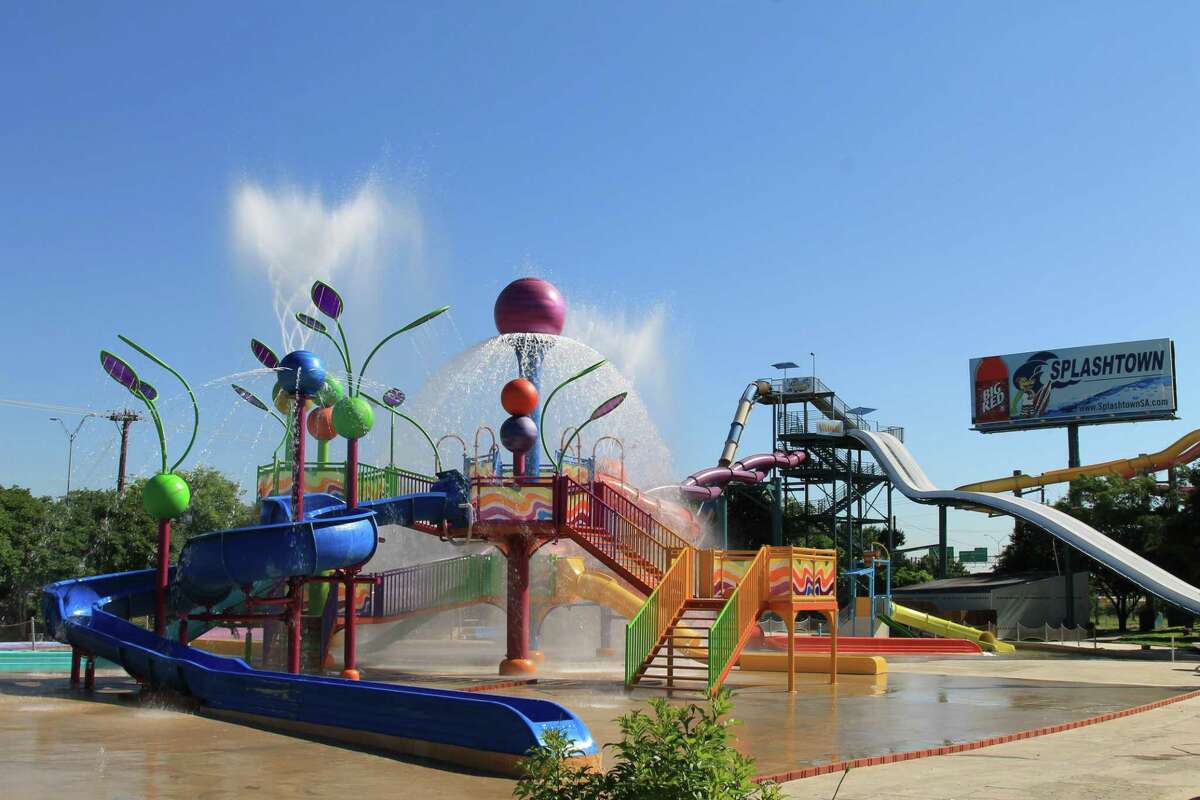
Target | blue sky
(896,187)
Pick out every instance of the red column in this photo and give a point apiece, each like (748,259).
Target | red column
(75,655)
(350,635)
(296,586)
(517,661)
(183,631)
(352,473)
(298,438)
(89,673)
(518,465)
(160,581)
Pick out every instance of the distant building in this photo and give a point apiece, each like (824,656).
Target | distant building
(1030,598)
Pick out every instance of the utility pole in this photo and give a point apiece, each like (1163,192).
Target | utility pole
(123,418)
(71,434)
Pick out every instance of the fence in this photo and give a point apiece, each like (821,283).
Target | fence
(451,581)
(1042,633)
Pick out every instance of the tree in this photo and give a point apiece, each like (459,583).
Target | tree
(95,532)
(1128,510)
(1179,550)
(34,550)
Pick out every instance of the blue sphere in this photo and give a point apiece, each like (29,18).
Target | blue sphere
(301,372)
(518,434)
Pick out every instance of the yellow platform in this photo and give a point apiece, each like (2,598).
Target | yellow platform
(807,662)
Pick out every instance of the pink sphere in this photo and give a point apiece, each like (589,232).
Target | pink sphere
(530,305)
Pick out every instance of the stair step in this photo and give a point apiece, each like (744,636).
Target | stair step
(705,602)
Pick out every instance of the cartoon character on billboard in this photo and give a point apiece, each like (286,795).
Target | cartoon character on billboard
(1032,391)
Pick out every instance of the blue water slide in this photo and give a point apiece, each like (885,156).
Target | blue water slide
(490,732)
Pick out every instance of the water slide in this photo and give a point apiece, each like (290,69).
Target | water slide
(487,732)
(745,404)
(908,476)
(945,628)
(1183,451)
(707,484)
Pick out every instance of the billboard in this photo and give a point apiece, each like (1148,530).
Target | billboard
(1090,385)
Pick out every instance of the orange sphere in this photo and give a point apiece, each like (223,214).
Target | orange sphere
(519,397)
(320,424)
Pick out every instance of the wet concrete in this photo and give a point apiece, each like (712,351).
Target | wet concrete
(54,741)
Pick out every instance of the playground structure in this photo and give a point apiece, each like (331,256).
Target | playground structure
(692,611)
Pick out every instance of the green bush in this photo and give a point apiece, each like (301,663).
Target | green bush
(681,753)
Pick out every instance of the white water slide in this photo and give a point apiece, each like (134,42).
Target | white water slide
(908,476)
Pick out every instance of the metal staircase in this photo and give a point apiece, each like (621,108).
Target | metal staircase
(686,639)
(680,658)
(617,533)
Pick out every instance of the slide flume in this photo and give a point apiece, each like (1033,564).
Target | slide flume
(488,732)
(911,480)
(946,629)
(1184,450)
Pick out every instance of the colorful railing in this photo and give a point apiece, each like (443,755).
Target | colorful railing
(646,629)
(631,537)
(731,626)
(373,482)
(612,499)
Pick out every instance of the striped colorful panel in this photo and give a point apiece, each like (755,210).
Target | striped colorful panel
(727,574)
(525,504)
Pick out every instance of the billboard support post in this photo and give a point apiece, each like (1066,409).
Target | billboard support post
(943,567)
(1068,552)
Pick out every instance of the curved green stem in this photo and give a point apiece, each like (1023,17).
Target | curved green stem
(416,323)
(345,353)
(191,396)
(545,405)
(567,448)
(158,427)
(437,459)
(345,358)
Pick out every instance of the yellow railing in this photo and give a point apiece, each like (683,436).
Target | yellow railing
(647,627)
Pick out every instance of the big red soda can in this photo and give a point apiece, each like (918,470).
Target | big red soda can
(991,391)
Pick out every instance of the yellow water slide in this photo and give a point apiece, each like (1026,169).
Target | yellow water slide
(947,629)
(1183,451)
(574,580)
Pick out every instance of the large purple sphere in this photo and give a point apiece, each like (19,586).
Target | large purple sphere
(518,434)
(530,305)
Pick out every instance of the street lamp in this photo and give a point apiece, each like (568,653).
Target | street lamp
(70,446)
(813,388)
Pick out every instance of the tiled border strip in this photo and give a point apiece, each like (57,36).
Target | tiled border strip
(488,687)
(892,758)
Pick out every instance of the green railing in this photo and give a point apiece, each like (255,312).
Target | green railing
(644,631)
(438,584)
(740,611)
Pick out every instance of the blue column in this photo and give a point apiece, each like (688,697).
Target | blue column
(529,364)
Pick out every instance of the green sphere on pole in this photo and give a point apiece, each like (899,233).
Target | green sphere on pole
(166,496)
(353,417)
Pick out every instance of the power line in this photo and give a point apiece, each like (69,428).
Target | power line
(37,406)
